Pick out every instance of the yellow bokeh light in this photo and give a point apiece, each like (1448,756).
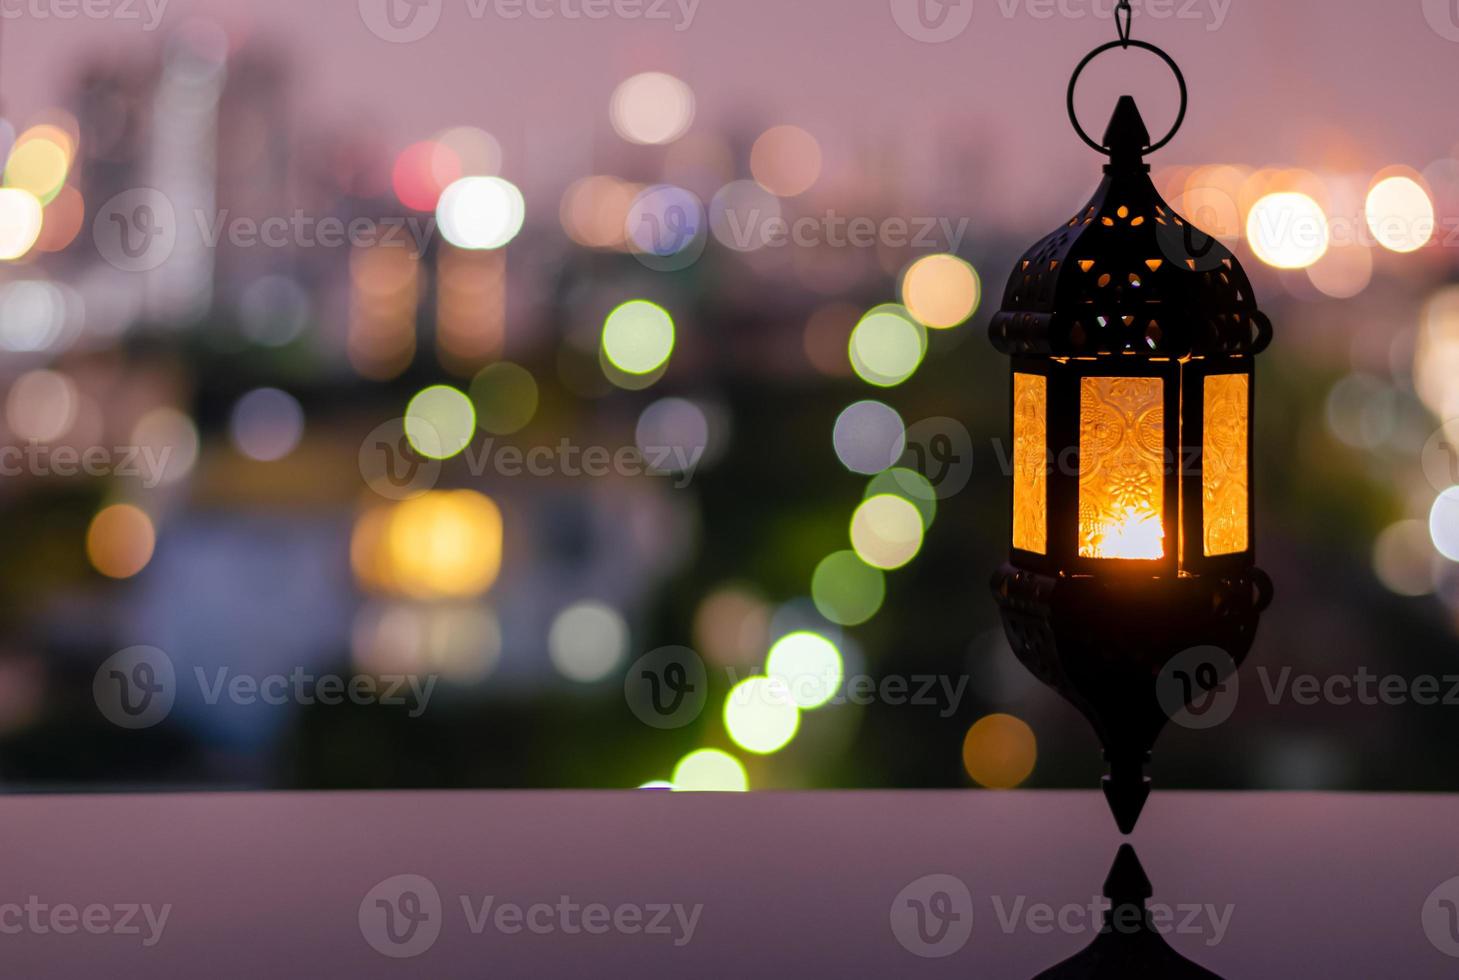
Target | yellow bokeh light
(440,421)
(652,108)
(786,161)
(710,771)
(941,291)
(1400,214)
(887,347)
(761,716)
(1000,752)
(120,541)
(440,545)
(809,666)
(39,166)
(887,532)
(1344,272)
(1287,230)
(21,220)
(638,337)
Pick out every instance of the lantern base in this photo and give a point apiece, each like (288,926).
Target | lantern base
(1115,647)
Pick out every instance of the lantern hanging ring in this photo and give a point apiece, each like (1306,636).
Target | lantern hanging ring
(1123,43)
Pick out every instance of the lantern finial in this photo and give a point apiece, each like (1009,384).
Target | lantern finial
(1126,137)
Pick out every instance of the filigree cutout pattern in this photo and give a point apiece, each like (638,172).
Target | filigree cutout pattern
(1030,463)
(1224,472)
(1121,468)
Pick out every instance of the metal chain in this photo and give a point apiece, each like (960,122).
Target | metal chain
(1124,14)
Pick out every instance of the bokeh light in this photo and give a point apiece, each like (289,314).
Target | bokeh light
(652,108)
(638,337)
(266,424)
(1403,559)
(505,396)
(786,161)
(887,347)
(445,544)
(1444,523)
(477,151)
(1287,230)
(760,715)
(673,435)
(869,437)
(61,221)
(42,406)
(1000,752)
(1343,272)
(809,666)
(440,421)
(172,439)
(422,172)
(911,486)
(1400,214)
(120,541)
(480,213)
(33,316)
(846,590)
(731,626)
(710,771)
(941,291)
(38,165)
(21,220)
(887,532)
(587,641)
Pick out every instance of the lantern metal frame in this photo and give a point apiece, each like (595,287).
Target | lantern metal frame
(1128,288)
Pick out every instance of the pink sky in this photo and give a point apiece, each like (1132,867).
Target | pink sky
(1315,83)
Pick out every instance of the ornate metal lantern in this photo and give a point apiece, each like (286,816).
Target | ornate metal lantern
(1133,338)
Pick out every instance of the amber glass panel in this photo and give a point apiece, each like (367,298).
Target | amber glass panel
(1224,471)
(1030,463)
(1122,468)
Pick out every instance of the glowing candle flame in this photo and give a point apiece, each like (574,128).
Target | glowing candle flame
(1137,534)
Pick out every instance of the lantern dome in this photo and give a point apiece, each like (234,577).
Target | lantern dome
(1128,275)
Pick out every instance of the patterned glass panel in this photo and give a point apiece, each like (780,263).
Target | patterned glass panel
(1224,473)
(1030,463)
(1122,468)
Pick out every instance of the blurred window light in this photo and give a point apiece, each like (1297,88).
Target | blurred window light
(652,108)
(638,337)
(587,641)
(941,291)
(761,716)
(440,422)
(267,424)
(710,771)
(1287,230)
(869,437)
(481,213)
(786,161)
(808,665)
(120,541)
(1400,214)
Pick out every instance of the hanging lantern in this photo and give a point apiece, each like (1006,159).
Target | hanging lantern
(1133,337)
